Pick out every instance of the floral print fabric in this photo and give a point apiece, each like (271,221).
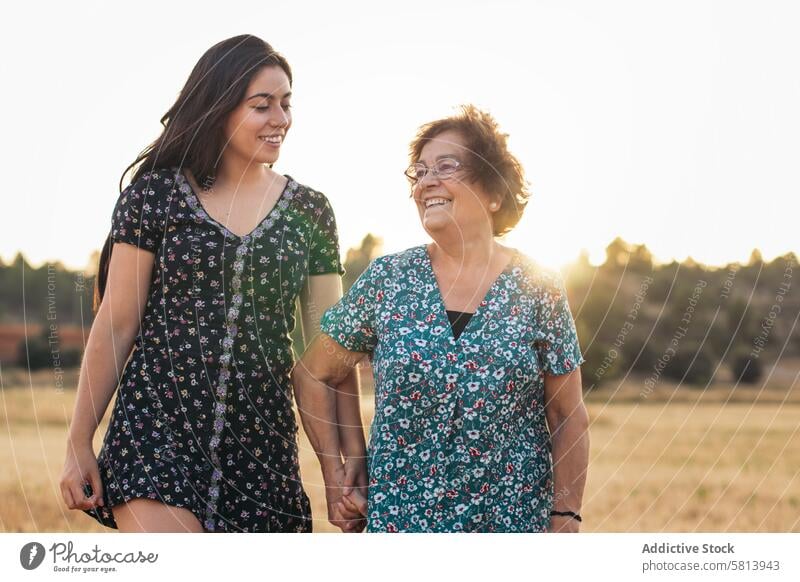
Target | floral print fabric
(459,440)
(203,416)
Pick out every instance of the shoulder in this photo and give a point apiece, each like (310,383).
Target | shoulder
(385,271)
(536,278)
(142,207)
(307,197)
(401,261)
(392,268)
(160,179)
(153,187)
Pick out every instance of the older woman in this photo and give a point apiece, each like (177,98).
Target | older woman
(474,353)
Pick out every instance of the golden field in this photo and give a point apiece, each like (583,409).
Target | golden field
(723,459)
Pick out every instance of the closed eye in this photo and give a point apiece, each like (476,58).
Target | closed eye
(286,107)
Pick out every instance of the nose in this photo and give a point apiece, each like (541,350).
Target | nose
(281,119)
(428,180)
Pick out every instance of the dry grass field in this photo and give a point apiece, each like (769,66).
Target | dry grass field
(724,459)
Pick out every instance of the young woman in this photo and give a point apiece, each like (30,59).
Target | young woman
(209,251)
(479,421)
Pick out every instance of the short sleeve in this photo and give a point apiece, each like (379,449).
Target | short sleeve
(140,212)
(324,248)
(351,322)
(556,340)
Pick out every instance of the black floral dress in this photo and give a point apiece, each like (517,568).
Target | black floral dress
(203,417)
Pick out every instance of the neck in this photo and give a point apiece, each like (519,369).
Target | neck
(241,173)
(465,251)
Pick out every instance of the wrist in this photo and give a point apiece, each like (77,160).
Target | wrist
(354,452)
(332,472)
(79,439)
(566,514)
(352,442)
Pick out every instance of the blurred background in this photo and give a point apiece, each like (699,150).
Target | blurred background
(661,145)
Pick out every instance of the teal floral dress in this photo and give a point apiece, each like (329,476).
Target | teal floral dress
(459,440)
(203,416)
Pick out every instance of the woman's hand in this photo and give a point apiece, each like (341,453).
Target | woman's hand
(80,467)
(339,514)
(353,503)
(333,475)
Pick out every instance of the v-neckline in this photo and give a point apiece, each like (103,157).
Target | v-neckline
(478,313)
(200,209)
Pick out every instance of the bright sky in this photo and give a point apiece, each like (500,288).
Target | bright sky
(674,124)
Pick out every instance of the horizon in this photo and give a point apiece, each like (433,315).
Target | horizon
(87,268)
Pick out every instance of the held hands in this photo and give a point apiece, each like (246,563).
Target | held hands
(353,507)
(353,503)
(346,495)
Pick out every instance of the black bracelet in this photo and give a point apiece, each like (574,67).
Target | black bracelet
(571,514)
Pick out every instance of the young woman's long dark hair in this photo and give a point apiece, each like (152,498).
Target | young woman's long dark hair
(193,135)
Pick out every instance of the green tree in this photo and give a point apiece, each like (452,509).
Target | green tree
(746,369)
(640,260)
(692,365)
(37,353)
(618,254)
(358,259)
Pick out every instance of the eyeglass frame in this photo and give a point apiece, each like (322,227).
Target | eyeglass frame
(415,181)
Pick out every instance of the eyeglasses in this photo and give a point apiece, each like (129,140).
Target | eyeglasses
(443,169)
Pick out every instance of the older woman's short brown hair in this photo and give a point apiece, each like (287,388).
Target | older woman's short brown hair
(488,163)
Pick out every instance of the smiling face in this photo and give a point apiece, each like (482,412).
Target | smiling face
(255,130)
(452,203)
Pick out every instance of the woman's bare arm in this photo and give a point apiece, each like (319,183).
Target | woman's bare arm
(107,350)
(324,364)
(568,421)
(321,292)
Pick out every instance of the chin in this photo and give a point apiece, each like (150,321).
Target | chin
(262,159)
(436,223)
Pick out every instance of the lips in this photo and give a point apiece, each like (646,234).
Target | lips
(271,139)
(435,201)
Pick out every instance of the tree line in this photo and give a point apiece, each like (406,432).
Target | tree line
(683,321)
